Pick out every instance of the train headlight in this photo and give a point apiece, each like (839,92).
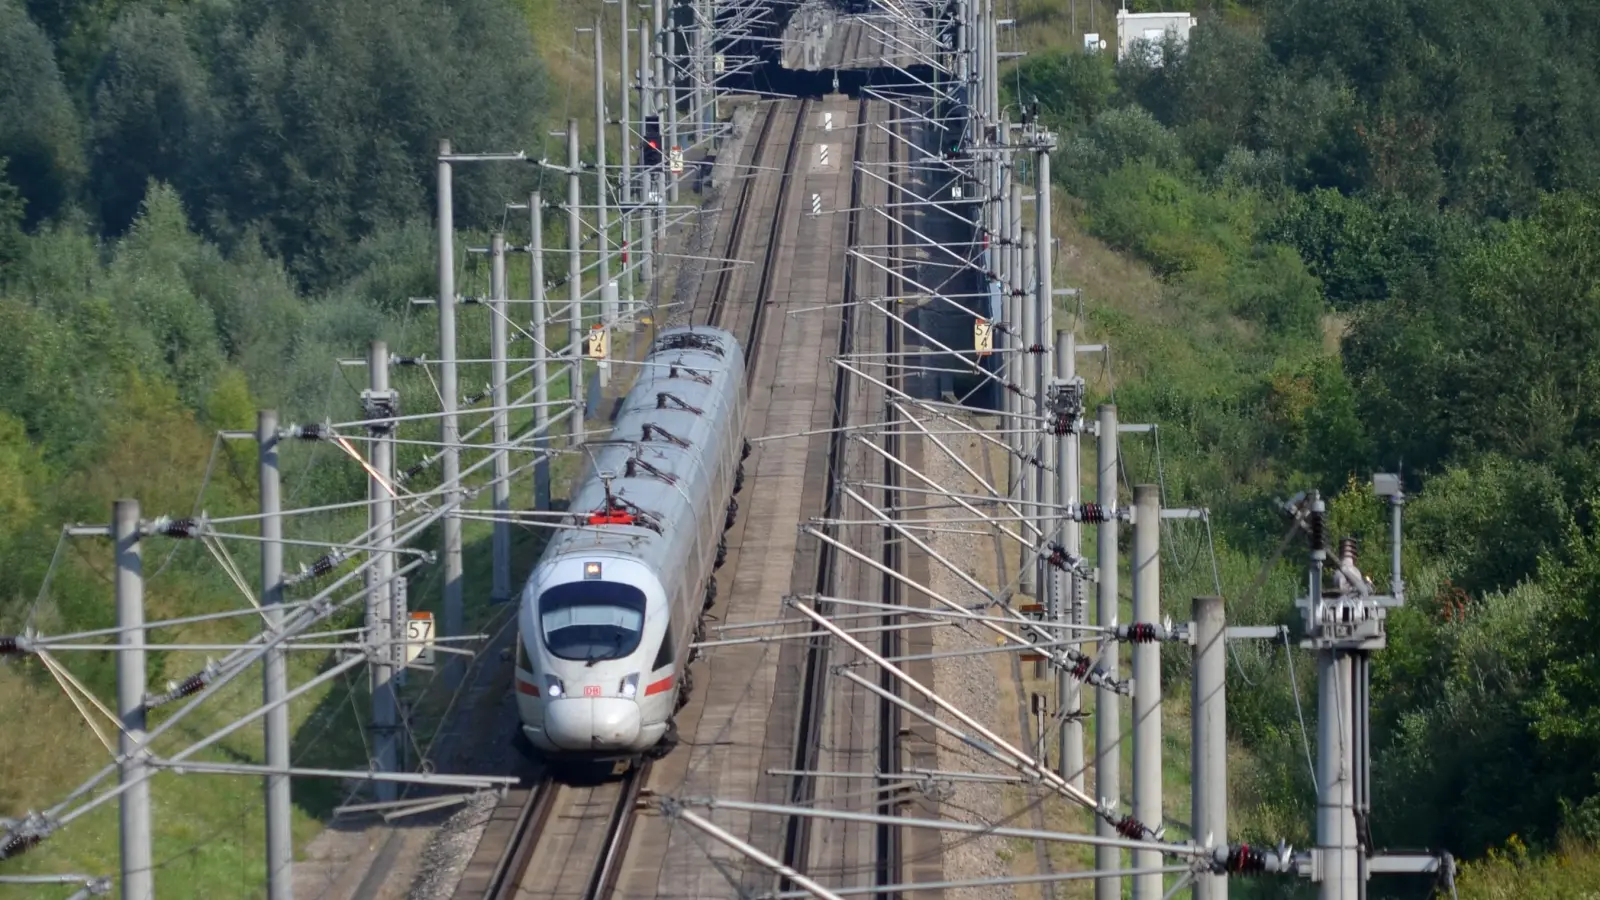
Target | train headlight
(553,686)
(630,686)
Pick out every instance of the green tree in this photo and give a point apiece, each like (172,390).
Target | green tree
(155,116)
(13,210)
(334,111)
(39,131)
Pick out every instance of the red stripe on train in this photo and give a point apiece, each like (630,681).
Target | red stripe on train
(657,687)
(527,687)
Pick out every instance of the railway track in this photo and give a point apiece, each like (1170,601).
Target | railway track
(555,840)
(797,847)
(890,859)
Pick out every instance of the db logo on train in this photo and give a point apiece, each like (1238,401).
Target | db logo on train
(591,690)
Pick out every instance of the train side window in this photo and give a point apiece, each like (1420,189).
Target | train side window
(666,655)
(522,654)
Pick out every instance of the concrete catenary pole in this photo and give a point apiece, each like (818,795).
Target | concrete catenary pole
(1146,570)
(381,625)
(1107,718)
(608,309)
(1068,691)
(647,215)
(1208,773)
(449,426)
(1043,373)
(275,669)
(500,583)
(575,276)
(704,95)
(964,46)
(625,145)
(1043,297)
(1027,582)
(628,213)
(670,62)
(541,348)
(137,877)
(992,76)
(1336,734)
(1336,823)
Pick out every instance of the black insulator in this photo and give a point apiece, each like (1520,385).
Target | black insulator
(406,360)
(181,528)
(18,843)
(311,432)
(190,686)
(1130,828)
(1014,388)
(323,565)
(1061,425)
(1142,633)
(414,471)
(1037,348)
(1092,512)
(1080,667)
(1347,548)
(1318,538)
(1246,860)
(10,646)
(1058,556)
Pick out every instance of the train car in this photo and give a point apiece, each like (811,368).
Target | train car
(607,616)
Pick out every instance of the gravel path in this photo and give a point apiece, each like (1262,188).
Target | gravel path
(972,684)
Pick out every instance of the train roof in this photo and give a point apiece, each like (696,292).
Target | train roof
(647,483)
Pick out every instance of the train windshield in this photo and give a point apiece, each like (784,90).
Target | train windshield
(592,620)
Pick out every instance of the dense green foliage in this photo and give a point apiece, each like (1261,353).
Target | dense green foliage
(1377,230)
(302,126)
(202,206)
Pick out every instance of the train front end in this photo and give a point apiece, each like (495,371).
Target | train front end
(589,630)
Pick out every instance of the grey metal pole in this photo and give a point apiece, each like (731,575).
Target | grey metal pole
(449,427)
(1005,242)
(625,146)
(1107,718)
(275,669)
(575,276)
(381,624)
(138,882)
(992,77)
(628,212)
(1209,768)
(608,303)
(1043,373)
(1397,588)
(964,46)
(1044,299)
(1026,438)
(980,59)
(1070,599)
(670,39)
(1032,446)
(647,215)
(500,586)
(1336,823)
(1146,566)
(541,349)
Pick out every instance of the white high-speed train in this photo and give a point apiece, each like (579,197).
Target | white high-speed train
(607,616)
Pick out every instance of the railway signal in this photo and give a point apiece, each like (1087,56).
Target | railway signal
(652,140)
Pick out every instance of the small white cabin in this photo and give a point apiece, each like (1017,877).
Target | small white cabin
(1144,32)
